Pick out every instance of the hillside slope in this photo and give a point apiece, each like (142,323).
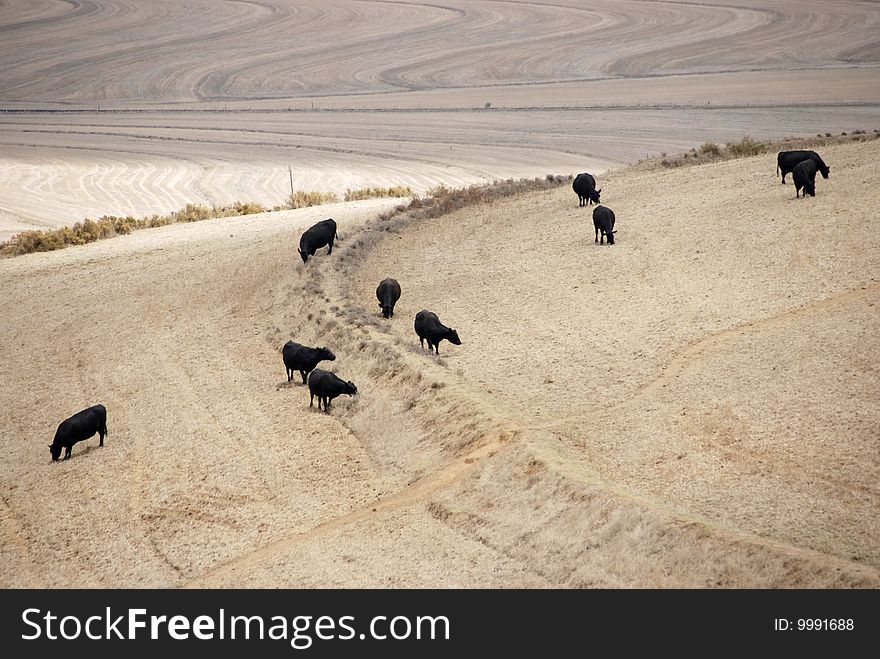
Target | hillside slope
(693,406)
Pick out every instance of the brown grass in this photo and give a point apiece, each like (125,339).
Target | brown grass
(746,147)
(109,226)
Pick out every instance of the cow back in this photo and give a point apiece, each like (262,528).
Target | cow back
(317,235)
(427,323)
(388,291)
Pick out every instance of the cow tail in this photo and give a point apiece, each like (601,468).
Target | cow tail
(777,169)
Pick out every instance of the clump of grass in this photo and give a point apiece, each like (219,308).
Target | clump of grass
(746,147)
(191,213)
(306,198)
(710,149)
(442,199)
(109,226)
(378,193)
(711,152)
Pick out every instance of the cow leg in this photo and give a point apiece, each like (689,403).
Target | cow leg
(327,405)
(330,246)
(303,374)
(67,452)
(312,400)
(422,343)
(289,374)
(101,436)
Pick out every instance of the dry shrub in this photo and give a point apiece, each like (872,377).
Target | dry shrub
(108,226)
(710,149)
(306,198)
(378,193)
(747,147)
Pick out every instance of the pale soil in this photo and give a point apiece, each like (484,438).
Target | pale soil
(693,406)
(140,108)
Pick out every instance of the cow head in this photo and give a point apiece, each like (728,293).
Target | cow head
(350,389)
(452,337)
(387,309)
(304,255)
(55,451)
(826,171)
(610,236)
(325,353)
(594,196)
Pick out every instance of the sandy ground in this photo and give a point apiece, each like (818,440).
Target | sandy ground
(691,407)
(136,108)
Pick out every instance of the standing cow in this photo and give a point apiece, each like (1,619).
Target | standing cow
(327,386)
(786,161)
(77,428)
(603,221)
(430,329)
(388,293)
(585,187)
(804,176)
(317,236)
(300,358)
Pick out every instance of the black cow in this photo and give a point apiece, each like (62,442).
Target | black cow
(315,237)
(585,187)
(388,293)
(804,176)
(300,358)
(429,327)
(786,161)
(327,386)
(603,220)
(77,428)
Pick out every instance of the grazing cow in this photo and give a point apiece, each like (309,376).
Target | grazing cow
(603,220)
(429,327)
(388,293)
(317,236)
(585,187)
(327,386)
(300,358)
(77,428)
(804,176)
(786,161)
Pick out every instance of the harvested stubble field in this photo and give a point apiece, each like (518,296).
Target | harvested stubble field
(108,107)
(694,406)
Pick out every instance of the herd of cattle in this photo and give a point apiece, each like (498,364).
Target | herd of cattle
(326,386)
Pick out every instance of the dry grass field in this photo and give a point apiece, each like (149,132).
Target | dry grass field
(695,406)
